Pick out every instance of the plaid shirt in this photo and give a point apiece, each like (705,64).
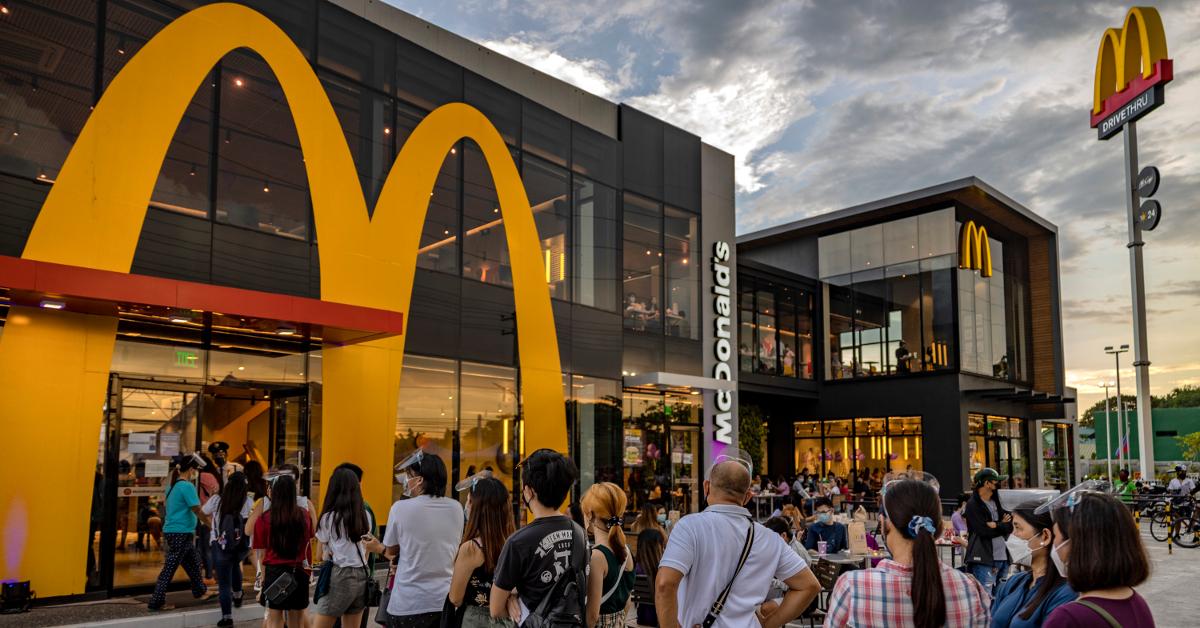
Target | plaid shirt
(882,597)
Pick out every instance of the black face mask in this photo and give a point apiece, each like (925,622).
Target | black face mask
(219,460)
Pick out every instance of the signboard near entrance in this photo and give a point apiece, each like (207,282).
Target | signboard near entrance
(141,443)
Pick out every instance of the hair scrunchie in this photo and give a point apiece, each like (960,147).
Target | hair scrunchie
(613,521)
(918,523)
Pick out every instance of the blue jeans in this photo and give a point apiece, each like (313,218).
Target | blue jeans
(229,578)
(990,575)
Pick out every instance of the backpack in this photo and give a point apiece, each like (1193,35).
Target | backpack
(563,606)
(231,535)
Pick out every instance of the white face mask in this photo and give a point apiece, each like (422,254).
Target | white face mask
(1059,563)
(1020,551)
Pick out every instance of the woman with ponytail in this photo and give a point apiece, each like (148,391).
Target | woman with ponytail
(913,587)
(611,579)
(1026,599)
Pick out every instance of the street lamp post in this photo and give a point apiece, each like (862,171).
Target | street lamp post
(1107,431)
(1121,424)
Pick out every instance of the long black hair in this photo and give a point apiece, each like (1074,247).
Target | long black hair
(233,496)
(288,525)
(904,502)
(344,505)
(254,478)
(1052,578)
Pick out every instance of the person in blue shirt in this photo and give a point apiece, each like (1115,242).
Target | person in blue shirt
(1027,597)
(183,510)
(824,529)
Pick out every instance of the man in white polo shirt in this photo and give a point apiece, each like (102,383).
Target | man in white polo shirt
(703,552)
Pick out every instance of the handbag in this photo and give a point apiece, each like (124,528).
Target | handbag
(381,614)
(279,590)
(719,604)
(373,594)
(452,616)
(324,575)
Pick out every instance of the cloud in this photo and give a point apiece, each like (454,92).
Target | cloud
(591,75)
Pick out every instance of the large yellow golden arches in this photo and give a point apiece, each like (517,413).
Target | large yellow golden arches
(1127,52)
(93,217)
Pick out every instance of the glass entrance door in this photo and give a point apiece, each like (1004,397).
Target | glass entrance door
(685,469)
(147,424)
(289,431)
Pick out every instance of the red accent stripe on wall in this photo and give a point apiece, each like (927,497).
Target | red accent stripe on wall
(76,282)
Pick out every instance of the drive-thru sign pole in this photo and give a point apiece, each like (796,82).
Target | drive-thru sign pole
(1129,84)
(1141,353)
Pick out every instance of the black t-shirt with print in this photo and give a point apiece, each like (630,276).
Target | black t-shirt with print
(535,557)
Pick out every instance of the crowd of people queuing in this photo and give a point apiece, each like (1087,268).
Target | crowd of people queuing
(1069,561)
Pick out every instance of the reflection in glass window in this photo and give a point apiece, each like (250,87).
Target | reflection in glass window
(184,182)
(937,313)
(489,410)
(904,318)
(645,462)
(595,244)
(366,119)
(840,324)
(870,444)
(439,234)
(46,91)
(427,410)
(261,182)
(681,237)
(839,434)
(866,248)
(904,442)
(548,190)
(766,347)
(642,264)
(808,451)
(485,250)
(870,323)
(596,407)
(746,324)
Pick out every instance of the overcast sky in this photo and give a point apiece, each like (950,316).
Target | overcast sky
(830,104)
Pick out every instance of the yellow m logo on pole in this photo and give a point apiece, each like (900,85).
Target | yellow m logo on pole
(974,250)
(1129,52)
(53,366)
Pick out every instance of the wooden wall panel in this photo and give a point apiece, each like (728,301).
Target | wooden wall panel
(1041,298)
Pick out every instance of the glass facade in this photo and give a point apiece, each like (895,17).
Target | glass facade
(1057,470)
(661,457)
(775,328)
(595,234)
(661,278)
(840,446)
(999,442)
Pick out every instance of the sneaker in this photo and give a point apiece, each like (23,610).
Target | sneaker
(237,599)
(161,607)
(225,621)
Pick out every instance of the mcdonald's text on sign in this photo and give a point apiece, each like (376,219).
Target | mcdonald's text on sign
(722,343)
(1131,70)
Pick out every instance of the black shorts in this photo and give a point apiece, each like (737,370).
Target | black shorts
(298,599)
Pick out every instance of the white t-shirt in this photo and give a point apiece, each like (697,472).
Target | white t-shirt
(1186,487)
(345,552)
(705,548)
(213,506)
(428,531)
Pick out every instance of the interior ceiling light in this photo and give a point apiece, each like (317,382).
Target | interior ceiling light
(180,317)
(286,331)
(53,305)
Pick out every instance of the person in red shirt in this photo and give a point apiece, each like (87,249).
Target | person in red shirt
(284,532)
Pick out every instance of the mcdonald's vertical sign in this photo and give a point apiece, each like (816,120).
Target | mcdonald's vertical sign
(974,250)
(54,365)
(1131,70)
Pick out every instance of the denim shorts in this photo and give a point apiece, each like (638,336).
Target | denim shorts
(347,592)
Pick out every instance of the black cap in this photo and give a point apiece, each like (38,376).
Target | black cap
(216,446)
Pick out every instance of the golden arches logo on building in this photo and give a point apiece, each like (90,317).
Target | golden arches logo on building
(1131,60)
(93,216)
(974,250)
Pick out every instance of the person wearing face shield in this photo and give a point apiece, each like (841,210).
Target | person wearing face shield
(422,537)
(1027,598)
(1099,550)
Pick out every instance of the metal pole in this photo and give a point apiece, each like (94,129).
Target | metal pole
(1141,352)
(1107,435)
(1121,456)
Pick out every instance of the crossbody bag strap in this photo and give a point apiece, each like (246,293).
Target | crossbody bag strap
(617,582)
(719,604)
(1112,621)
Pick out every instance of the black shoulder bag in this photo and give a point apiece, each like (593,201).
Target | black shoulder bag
(719,605)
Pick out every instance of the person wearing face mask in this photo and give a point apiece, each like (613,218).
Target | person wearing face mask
(544,564)
(825,529)
(1098,548)
(219,451)
(183,514)
(422,537)
(650,517)
(719,563)
(610,578)
(1027,598)
(988,524)
(489,524)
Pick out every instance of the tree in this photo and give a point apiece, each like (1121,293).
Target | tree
(1190,444)
(1182,397)
(751,434)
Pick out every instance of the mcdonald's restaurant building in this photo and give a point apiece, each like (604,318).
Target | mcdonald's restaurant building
(920,331)
(327,231)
